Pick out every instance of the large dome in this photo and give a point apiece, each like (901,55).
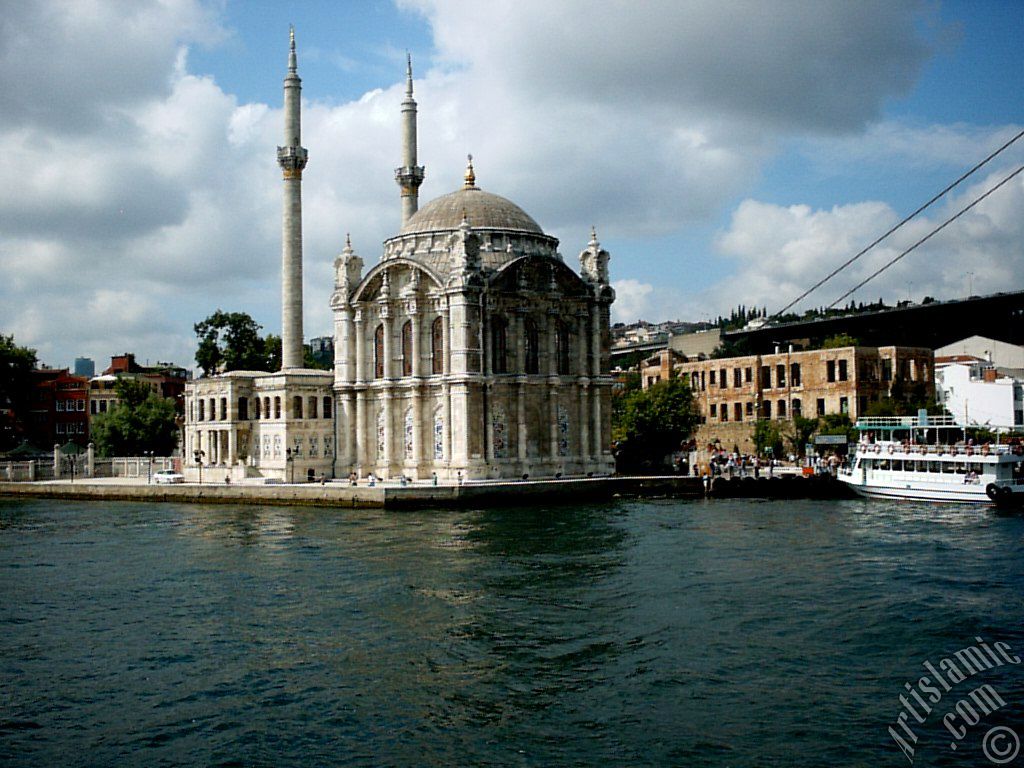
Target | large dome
(481,209)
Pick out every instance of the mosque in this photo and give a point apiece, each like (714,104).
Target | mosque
(470,351)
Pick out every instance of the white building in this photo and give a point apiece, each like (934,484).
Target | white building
(975,392)
(471,350)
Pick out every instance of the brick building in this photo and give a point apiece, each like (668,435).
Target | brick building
(59,408)
(741,390)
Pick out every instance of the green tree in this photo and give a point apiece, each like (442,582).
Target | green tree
(838,424)
(141,421)
(839,340)
(230,341)
(768,435)
(16,365)
(651,423)
(799,434)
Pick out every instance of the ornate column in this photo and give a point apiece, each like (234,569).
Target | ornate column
(359,364)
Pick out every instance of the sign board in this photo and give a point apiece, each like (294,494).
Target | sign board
(830,440)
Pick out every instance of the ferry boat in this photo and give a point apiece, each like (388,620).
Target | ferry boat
(930,458)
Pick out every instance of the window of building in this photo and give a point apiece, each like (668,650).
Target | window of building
(406,349)
(766,377)
(780,375)
(737,411)
(782,409)
(713,410)
(794,375)
(562,348)
(297,407)
(532,346)
(59,405)
(887,370)
(378,352)
(266,407)
(327,409)
(499,346)
(862,403)
(844,405)
(81,405)
(94,407)
(750,409)
(711,377)
(243,409)
(213,409)
(104,404)
(842,370)
(223,408)
(256,406)
(830,370)
(202,410)
(767,407)
(311,408)
(737,377)
(60,429)
(80,428)
(437,346)
(277,407)
(721,378)
(748,374)
(724,412)
(796,407)
(821,406)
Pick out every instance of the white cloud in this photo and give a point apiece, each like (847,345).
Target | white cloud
(134,184)
(778,252)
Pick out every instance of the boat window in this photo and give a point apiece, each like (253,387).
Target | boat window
(960,468)
(897,465)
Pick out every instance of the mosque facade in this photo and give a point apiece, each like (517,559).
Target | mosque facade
(471,350)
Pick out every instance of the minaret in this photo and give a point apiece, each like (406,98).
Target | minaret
(292,159)
(410,175)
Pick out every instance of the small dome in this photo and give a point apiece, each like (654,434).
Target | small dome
(481,209)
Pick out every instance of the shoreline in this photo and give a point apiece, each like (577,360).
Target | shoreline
(388,496)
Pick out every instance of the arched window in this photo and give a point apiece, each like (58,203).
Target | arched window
(499,345)
(243,409)
(327,409)
(437,346)
(407,348)
(532,347)
(223,408)
(562,348)
(378,352)
(311,408)
(277,407)
(256,404)
(297,407)
(266,407)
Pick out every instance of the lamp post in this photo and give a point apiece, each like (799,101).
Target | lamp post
(289,459)
(149,466)
(198,455)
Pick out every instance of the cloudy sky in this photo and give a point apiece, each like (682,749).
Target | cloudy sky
(727,152)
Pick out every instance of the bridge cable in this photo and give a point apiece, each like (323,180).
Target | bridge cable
(852,259)
(927,237)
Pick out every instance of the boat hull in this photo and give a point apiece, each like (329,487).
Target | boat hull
(972,495)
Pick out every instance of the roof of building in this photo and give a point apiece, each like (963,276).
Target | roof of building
(952,359)
(482,210)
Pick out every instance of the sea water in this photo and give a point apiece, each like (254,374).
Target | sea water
(691,633)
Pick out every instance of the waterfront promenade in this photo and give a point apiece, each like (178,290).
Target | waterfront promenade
(387,495)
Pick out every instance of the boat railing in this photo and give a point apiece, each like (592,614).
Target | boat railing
(886,448)
(905,422)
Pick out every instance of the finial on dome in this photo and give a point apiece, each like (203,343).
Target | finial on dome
(348,242)
(293,65)
(408,74)
(470,174)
